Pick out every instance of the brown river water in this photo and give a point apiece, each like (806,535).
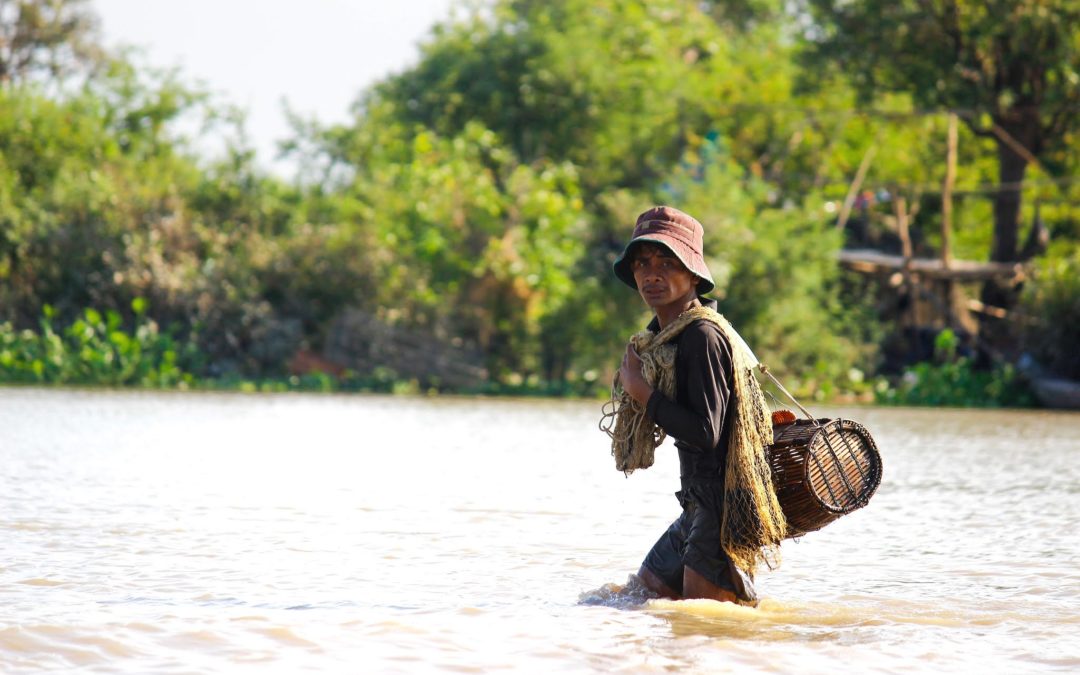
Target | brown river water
(207,533)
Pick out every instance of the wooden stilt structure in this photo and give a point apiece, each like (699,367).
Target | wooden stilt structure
(929,292)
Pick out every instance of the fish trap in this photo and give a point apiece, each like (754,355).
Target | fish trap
(822,469)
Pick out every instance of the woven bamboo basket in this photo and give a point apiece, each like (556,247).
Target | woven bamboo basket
(822,469)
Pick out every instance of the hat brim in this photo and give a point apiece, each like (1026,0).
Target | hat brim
(693,262)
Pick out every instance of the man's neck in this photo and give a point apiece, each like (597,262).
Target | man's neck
(665,315)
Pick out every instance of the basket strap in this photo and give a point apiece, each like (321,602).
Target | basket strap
(765,369)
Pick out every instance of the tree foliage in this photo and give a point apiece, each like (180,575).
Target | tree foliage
(476,200)
(615,97)
(1012,69)
(100,204)
(45,39)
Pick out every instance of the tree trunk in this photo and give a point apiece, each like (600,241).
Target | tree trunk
(996,337)
(1011,169)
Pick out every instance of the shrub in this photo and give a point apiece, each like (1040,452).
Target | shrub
(953,381)
(1052,302)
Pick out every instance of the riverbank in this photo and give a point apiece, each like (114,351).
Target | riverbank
(96,350)
(937,390)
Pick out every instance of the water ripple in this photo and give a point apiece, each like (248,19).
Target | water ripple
(221,533)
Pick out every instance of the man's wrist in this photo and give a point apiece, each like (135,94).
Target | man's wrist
(642,392)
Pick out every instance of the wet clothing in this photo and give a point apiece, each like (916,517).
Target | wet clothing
(699,422)
(693,540)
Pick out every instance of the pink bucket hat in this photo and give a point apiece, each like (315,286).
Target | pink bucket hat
(681,233)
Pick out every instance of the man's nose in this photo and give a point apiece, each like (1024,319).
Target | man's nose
(652,272)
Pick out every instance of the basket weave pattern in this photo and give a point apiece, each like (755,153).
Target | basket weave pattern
(822,469)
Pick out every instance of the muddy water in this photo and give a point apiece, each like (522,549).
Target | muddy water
(176,533)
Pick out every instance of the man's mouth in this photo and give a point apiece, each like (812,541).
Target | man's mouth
(652,290)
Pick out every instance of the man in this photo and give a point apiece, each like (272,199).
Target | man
(694,557)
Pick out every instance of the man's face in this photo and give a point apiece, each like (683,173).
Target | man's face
(661,278)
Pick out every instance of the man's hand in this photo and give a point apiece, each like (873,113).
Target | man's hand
(633,382)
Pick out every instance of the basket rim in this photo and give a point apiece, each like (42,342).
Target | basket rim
(874,480)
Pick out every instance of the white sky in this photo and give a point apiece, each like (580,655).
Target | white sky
(316,54)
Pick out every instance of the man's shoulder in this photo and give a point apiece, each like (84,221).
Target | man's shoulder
(706,334)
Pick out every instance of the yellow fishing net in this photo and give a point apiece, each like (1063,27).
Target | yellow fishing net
(752,525)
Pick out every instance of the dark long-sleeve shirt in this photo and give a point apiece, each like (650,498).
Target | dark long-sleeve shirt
(698,418)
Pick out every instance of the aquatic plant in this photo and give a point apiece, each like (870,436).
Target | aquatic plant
(95,349)
(952,380)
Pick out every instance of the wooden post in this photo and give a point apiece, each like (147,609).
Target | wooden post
(908,283)
(946,194)
(947,220)
(853,190)
(900,206)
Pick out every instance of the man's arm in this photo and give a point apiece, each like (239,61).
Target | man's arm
(706,357)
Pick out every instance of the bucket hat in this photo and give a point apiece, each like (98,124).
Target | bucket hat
(680,232)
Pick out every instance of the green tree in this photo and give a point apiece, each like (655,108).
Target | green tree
(620,89)
(101,203)
(49,38)
(620,98)
(1010,68)
(473,245)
